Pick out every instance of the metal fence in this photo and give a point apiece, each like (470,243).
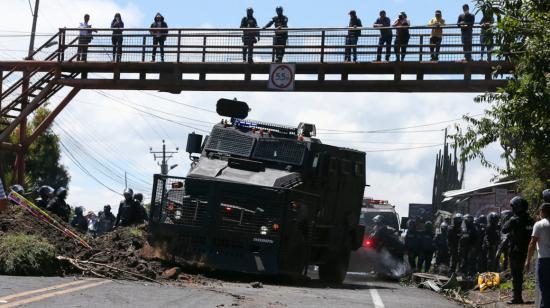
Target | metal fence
(302,45)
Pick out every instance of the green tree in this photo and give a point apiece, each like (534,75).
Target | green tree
(518,117)
(43,166)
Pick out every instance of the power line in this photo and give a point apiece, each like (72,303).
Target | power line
(403,149)
(395,129)
(385,132)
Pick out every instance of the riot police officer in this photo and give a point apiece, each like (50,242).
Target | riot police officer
(79,221)
(281,35)
(125,215)
(491,241)
(45,193)
(412,244)
(106,221)
(453,239)
(467,247)
(139,211)
(481,226)
(504,244)
(442,246)
(426,248)
(250,37)
(519,228)
(59,206)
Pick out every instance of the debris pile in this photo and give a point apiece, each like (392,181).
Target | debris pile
(124,253)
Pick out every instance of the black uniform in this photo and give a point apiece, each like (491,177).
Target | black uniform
(352,38)
(59,207)
(490,245)
(42,203)
(519,228)
(453,240)
(281,36)
(130,213)
(426,250)
(481,253)
(80,223)
(250,37)
(442,255)
(412,243)
(468,249)
(106,222)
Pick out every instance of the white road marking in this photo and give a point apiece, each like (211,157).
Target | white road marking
(376,299)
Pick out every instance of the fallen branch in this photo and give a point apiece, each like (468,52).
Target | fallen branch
(78,264)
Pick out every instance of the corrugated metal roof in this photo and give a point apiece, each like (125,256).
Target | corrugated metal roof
(456,193)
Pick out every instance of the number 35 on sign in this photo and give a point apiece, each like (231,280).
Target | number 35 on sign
(281,77)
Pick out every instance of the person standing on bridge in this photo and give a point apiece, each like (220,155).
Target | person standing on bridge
(385,36)
(250,37)
(466,22)
(117,25)
(281,35)
(84,39)
(437,35)
(352,37)
(159,35)
(486,36)
(402,36)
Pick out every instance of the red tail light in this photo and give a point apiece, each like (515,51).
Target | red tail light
(368,243)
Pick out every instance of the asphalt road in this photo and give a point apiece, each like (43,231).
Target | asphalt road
(357,291)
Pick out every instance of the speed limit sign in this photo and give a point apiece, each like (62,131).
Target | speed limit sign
(281,77)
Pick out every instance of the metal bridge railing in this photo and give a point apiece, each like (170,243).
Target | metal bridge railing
(303,45)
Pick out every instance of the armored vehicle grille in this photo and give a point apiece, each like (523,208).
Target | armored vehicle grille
(290,152)
(230,141)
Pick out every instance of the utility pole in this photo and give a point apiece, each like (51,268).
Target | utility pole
(33,31)
(165,156)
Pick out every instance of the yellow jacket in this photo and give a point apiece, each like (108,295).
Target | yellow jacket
(437,31)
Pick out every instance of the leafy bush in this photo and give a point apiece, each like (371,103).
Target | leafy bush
(26,255)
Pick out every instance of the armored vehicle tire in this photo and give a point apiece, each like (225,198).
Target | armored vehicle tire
(335,270)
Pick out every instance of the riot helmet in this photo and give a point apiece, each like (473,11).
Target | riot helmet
(505,215)
(444,227)
(546,195)
(61,192)
(411,224)
(493,218)
(457,219)
(428,226)
(79,211)
(18,189)
(138,197)
(128,194)
(279,10)
(468,221)
(481,220)
(518,205)
(107,209)
(45,191)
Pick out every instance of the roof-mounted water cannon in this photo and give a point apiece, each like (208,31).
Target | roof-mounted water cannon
(307,130)
(232,108)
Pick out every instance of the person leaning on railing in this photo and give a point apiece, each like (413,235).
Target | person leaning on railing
(117,25)
(385,36)
(250,37)
(466,22)
(281,35)
(159,35)
(352,37)
(402,36)
(84,39)
(485,37)
(437,35)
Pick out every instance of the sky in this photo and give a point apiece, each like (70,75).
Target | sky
(108,137)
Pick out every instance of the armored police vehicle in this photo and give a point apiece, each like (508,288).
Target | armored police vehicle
(262,198)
